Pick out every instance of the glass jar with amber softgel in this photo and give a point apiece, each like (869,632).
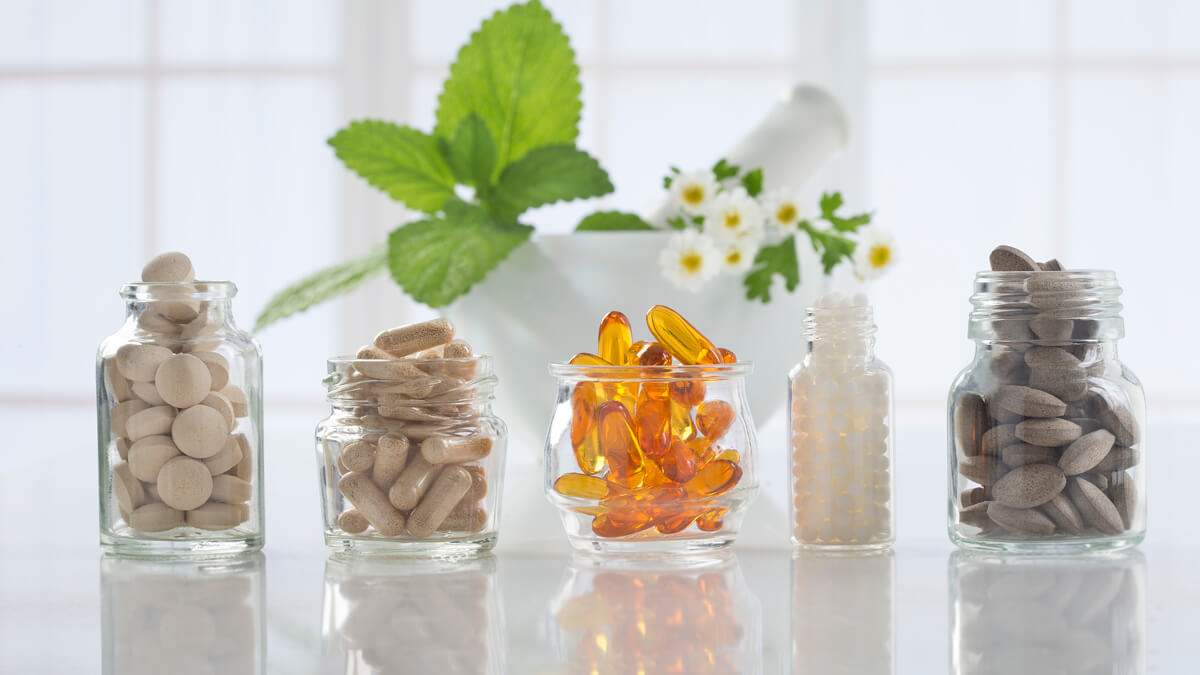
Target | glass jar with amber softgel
(651,445)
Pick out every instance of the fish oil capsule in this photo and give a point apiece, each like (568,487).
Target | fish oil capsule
(581,485)
(714,478)
(445,492)
(653,419)
(413,482)
(586,359)
(455,449)
(727,356)
(615,338)
(680,338)
(711,520)
(619,445)
(619,524)
(677,521)
(681,421)
(584,430)
(362,492)
(678,463)
(648,353)
(713,419)
(688,393)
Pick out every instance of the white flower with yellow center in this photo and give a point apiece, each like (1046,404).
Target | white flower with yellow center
(694,191)
(734,215)
(874,254)
(738,255)
(784,212)
(690,259)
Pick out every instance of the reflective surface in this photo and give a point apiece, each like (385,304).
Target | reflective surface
(843,612)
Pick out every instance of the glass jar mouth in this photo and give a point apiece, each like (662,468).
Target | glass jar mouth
(147,291)
(482,359)
(714,372)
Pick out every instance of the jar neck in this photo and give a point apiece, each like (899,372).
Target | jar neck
(197,309)
(840,333)
(1046,307)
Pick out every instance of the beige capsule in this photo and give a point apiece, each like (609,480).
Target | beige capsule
(199,431)
(1064,514)
(362,492)
(457,349)
(116,384)
(396,390)
(150,422)
(479,484)
(358,456)
(171,266)
(222,405)
(413,483)
(1095,508)
(443,495)
(393,369)
(1048,432)
(352,521)
(227,458)
(455,449)
(469,519)
(218,516)
(431,353)
(218,368)
(147,392)
(183,380)
(1028,402)
(155,517)
(119,416)
(1029,522)
(184,483)
(231,489)
(415,337)
(410,413)
(1085,452)
(1029,485)
(139,362)
(391,456)
(127,489)
(237,399)
(148,455)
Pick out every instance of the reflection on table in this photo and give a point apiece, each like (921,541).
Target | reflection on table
(411,616)
(1035,616)
(652,616)
(183,618)
(843,609)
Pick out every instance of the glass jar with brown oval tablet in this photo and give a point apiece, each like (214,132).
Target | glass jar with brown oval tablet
(1047,425)
(178,397)
(411,458)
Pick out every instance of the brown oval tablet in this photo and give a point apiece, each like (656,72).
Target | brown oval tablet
(1028,402)
(974,515)
(983,470)
(1062,383)
(184,483)
(1124,497)
(1029,485)
(171,266)
(1051,328)
(199,431)
(1020,454)
(1085,452)
(1047,432)
(183,380)
(1119,459)
(995,439)
(1010,259)
(1050,357)
(1118,418)
(1095,508)
(1063,513)
(1030,522)
(1008,367)
(1051,265)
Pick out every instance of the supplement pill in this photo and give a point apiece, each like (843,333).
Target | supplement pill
(446,491)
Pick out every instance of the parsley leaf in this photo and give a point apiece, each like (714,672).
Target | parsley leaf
(753,182)
(723,169)
(771,260)
(612,221)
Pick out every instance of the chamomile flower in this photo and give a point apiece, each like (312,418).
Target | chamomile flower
(693,191)
(690,259)
(784,212)
(733,215)
(738,255)
(874,254)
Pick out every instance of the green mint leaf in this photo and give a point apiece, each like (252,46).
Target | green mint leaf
(771,260)
(401,161)
(323,285)
(546,175)
(472,153)
(753,182)
(612,221)
(723,169)
(677,223)
(438,259)
(518,74)
(832,246)
(830,203)
(850,224)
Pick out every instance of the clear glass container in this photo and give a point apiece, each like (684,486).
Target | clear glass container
(179,412)
(411,458)
(427,616)
(651,458)
(637,615)
(183,616)
(1046,429)
(842,433)
(1047,614)
(844,611)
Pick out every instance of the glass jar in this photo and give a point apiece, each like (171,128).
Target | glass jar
(844,612)
(179,410)
(842,432)
(1046,425)
(637,615)
(651,458)
(411,458)
(1047,614)
(426,616)
(177,616)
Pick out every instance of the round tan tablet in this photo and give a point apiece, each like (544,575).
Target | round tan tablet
(147,456)
(220,404)
(218,516)
(139,362)
(183,380)
(230,489)
(149,422)
(155,517)
(147,392)
(121,412)
(128,490)
(167,267)
(227,458)
(184,483)
(115,382)
(218,368)
(237,399)
(199,431)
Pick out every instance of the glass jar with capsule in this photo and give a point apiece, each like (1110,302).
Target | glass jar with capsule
(179,410)
(651,445)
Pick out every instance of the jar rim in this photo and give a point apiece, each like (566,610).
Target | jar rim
(351,360)
(200,289)
(716,371)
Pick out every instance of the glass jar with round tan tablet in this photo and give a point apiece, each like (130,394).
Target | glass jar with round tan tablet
(178,396)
